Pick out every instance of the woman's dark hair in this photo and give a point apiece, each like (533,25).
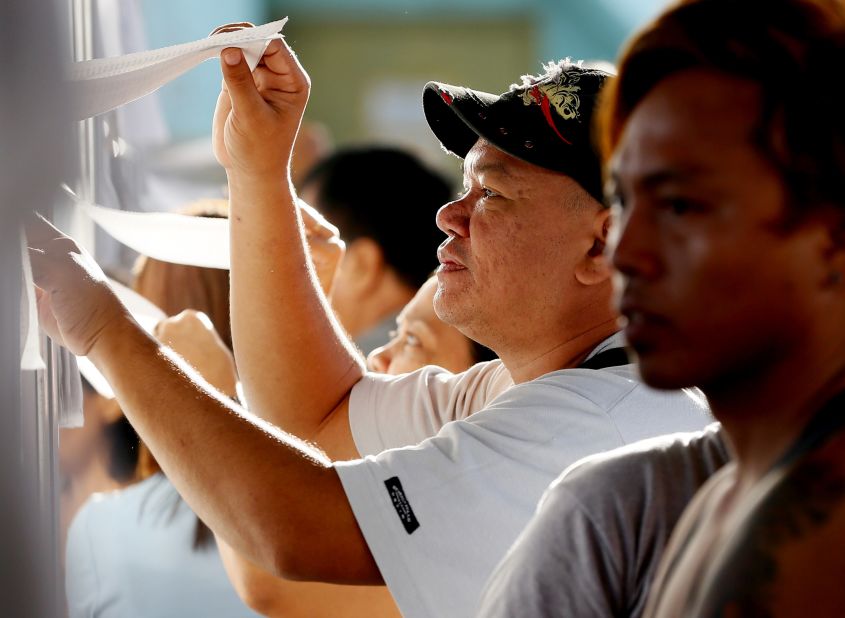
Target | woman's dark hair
(123,445)
(793,50)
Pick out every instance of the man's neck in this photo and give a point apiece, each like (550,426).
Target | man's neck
(765,414)
(525,365)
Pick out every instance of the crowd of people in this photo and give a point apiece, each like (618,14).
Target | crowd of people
(618,395)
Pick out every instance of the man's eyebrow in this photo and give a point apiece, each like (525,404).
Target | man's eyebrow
(654,179)
(496,167)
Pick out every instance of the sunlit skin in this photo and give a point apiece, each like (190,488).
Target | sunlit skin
(716,290)
(421,339)
(516,273)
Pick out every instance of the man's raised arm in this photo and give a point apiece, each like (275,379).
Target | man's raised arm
(270,496)
(296,364)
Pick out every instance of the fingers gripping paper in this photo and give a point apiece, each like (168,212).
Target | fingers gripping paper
(103,84)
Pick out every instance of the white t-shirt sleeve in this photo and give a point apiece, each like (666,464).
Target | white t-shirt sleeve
(392,411)
(440,515)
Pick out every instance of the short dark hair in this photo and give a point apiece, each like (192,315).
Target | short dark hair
(388,195)
(793,50)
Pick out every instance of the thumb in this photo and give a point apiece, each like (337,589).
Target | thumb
(239,81)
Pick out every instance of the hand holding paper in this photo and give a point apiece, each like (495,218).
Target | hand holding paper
(75,303)
(258,113)
(102,84)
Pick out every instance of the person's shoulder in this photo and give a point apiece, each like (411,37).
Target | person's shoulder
(603,386)
(660,450)
(609,387)
(691,456)
(487,370)
(107,506)
(785,554)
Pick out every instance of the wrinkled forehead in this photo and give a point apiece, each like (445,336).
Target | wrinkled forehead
(484,159)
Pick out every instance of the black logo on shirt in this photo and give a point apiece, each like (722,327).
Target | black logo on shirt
(401,504)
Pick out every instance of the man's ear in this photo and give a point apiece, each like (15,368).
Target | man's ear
(824,229)
(594,267)
(363,265)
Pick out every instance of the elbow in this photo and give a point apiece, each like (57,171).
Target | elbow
(292,563)
(260,599)
(260,590)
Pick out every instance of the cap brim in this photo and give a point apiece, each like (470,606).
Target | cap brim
(455,115)
(525,127)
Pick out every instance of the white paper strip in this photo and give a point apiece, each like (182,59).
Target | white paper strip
(30,343)
(71,413)
(170,237)
(94,377)
(147,314)
(181,239)
(103,84)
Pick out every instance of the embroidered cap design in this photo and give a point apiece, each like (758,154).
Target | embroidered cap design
(560,93)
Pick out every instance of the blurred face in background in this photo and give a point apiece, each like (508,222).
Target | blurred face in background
(422,339)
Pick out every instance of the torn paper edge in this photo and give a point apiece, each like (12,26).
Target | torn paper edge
(30,353)
(101,85)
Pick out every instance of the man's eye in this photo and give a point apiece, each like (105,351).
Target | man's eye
(680,206)
(412,341)
(487,193)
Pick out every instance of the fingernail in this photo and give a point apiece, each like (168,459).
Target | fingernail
(231,56)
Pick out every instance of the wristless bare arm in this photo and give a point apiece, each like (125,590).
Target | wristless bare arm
(295,362)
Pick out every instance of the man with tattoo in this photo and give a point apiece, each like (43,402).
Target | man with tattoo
(726,142)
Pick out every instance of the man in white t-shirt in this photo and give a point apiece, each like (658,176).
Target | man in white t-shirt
(522,271)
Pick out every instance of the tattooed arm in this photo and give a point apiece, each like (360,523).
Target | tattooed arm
(787,555)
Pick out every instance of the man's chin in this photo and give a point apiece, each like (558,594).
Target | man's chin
(661,372)
(446,312)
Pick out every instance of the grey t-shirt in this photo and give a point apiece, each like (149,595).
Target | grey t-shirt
(595,543)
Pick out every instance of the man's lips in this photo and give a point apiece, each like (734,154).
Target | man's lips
(641,321)
(448,262)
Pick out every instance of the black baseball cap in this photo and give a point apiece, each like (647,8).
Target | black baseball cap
(545,120)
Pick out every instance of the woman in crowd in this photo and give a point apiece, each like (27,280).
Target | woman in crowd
(141,551)
(421,339)
(102,455)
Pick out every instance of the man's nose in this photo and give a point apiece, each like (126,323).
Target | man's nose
(634,245)
(453,218)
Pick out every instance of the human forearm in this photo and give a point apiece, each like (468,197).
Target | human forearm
(276,597)
(268,495)
(295,362)
(294,359)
